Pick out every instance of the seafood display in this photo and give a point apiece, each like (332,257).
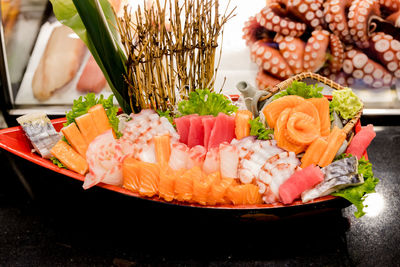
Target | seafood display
(353,42)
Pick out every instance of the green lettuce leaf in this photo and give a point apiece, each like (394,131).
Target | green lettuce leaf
(301,89)
(95,23)
(204,102)
(82,105)
(356,194)
(258,129)
(345,103)
(58,163)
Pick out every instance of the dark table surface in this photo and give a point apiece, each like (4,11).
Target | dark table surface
(65,225)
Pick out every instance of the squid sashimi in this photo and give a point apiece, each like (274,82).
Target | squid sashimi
(184,184)
(104,156)
(229,160)
(212,161)
(197,154)
(149,178)
(179,156)
(131,174)
(201,188)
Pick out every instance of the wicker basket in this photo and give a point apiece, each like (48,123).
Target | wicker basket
(299,77)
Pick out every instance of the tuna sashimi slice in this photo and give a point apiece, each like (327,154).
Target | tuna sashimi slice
(196,132)
(183,126)
(361,141)
(223,130)
(208,125)
(299,182)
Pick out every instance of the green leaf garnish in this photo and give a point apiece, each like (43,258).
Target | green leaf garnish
(258,129)
(204,102)
(345,103)
(301,89)
(82,105)
(356,194)
(166,114)
(58,163)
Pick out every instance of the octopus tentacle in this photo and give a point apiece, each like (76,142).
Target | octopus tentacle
(292,50)
(253,31)
(360,67)
(265,81)
(270,60)
(338,77)
(387,51)
(392,7)
(337,53)
(359,16)
(272,18)
(308,11)
(315,50)
(335,16)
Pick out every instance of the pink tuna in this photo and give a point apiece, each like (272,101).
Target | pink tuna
(196,132)
(208,125)
(183,126)
(361,141)
(223,130)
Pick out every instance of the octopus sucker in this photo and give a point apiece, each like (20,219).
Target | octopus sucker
(384,48)
(337,53)
(359,23)
(272,18)
(264,81)
(335,16)
(292,50)
(356,66)
(253,31)
(317,45)
(309,12)
(270,60)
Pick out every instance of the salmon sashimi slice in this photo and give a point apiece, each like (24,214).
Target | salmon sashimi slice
(100,118)
(149,178)
(184,184)
(301,128)
(285,144)
(131,174)
(281,134)
(335,141)
(166,186)
(253,195)
(236,194)
(201,188)
(242,125)
(75,138)
(162,148)
(322,105)
(218,189)
(309,109)
(69,157)
(275,108)
(314,152)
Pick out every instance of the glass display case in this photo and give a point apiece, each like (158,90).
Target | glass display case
(28,25)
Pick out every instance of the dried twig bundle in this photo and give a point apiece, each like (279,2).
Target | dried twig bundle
(171,49)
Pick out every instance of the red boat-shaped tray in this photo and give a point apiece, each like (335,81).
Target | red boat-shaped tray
(14,140)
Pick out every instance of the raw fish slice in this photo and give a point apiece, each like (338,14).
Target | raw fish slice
(212,162)
(162,148)
(244,145)
(131,174)
(92,78)
(275,178)
(196,132)
(223,130)
(149,178)
(183,127)
(104,156)
(184,184)
(146,153)
(179,156)
(298,182)
(229,160)
(361,141)
(236,194)
(197,154)
(341,167)
(218,189)
(201,189)
(284,157)
(166,186)
(208,125)
(322,105)
(275,108)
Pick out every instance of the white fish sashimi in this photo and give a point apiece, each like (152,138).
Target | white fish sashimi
(104,156)
(229,160)
(212,162)
(179,156)
(197,155)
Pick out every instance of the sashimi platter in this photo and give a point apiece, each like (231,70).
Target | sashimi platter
(175,138)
